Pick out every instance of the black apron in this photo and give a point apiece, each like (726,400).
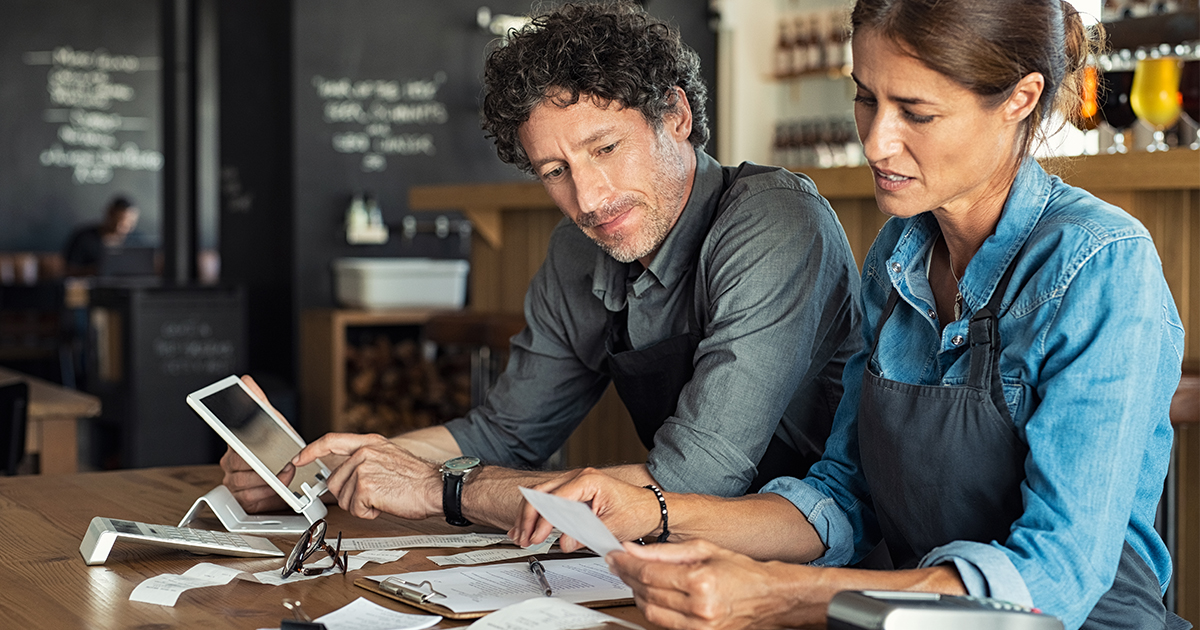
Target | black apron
(649,381)
(945,464)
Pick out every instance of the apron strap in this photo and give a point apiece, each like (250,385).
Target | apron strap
(888,307)
(984,336)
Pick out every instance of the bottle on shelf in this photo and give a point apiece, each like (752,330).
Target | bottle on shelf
(364,221)
(816,143)
(816,44)
(843,31)
(833,45)
(783,51)
(801,40)
(1113,10)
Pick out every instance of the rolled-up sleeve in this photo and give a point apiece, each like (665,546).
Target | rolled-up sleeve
(985,570)
(824,514)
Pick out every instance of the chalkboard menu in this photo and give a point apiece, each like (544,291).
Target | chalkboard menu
(80,96)
(386,96)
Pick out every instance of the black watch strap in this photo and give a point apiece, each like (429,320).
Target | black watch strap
(452,486)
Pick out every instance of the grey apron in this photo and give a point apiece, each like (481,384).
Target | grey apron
(649,381)
(945,463)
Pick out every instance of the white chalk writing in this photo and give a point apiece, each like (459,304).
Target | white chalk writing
(372,107)
(83,92)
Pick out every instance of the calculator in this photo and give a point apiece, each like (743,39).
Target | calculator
(894,610)
(103,532)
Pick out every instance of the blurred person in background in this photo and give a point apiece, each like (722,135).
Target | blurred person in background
(85,247)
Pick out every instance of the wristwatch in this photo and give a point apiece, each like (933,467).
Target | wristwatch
(454,474)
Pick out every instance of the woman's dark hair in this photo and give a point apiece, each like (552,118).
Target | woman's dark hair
(987,46)
(612,52)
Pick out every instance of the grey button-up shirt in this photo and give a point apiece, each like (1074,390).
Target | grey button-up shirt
(776,292)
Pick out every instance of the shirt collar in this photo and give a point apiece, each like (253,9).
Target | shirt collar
(677,253)
(1023,209)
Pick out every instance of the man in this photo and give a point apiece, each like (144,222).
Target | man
(86,245)
(718,300)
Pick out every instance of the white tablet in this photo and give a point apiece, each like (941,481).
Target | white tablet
(261,437)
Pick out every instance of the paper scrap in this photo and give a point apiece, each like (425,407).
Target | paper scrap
(363,614)
(431,540)
(494,555)
(575,519)
(165,589)
(382,556)
(548,613)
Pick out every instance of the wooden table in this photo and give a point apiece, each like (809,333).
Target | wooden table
(54,413)
(45,584)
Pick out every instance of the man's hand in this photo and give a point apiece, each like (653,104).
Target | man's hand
(627,510)
(697,585)
(377,476)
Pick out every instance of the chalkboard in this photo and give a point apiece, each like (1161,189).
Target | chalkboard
(175,341)
(80,96)
(386,95)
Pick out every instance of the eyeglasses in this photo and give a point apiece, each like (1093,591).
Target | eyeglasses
(310,541)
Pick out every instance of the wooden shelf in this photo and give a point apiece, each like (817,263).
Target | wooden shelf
(323,360)
(483,203)
(1173,170)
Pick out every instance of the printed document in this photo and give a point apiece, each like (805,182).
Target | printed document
(492,587)
(484,556)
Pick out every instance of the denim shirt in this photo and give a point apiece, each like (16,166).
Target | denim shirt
(1092,348)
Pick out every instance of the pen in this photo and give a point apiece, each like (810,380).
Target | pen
(540,572)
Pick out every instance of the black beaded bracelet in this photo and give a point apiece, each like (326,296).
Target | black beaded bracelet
(662,506)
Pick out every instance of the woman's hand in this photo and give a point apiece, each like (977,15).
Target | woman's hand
(243,481)
(697,585)
(628,511)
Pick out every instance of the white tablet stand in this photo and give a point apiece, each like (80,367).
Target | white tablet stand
(220,500)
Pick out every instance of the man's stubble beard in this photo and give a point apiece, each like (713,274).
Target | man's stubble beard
(656,222)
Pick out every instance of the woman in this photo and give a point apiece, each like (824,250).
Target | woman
(1006,432)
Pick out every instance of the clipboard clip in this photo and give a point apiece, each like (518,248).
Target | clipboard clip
(409,590)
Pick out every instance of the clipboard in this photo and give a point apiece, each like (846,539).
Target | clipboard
(417,598)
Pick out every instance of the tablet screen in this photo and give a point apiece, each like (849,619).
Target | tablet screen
(265,437)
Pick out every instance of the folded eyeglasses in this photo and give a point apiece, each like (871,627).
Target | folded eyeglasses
(310,541)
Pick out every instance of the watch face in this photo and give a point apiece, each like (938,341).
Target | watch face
(458,464)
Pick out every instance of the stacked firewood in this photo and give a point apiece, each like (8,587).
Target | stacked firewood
(397,385)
